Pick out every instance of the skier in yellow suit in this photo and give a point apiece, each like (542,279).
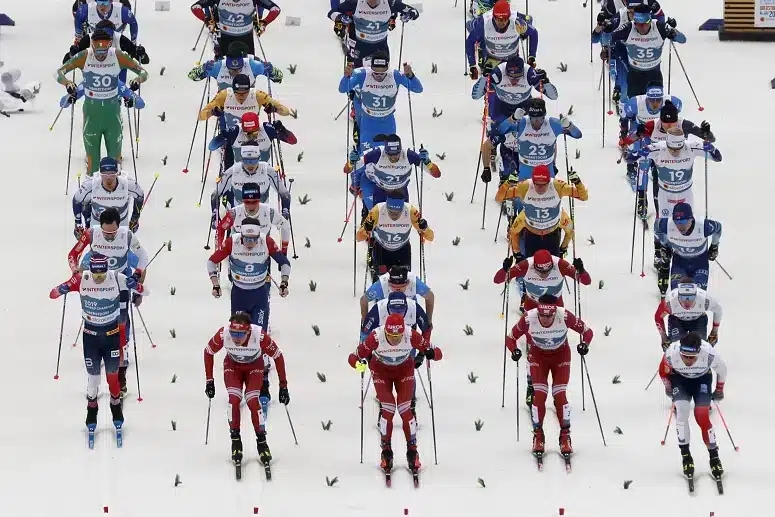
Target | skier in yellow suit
(231,103)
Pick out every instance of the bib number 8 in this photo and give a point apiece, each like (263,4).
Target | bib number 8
(249,268)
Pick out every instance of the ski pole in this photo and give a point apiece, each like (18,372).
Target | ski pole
(205,171)
(433,413)
(652,380)
(204,47)
(51,127)
(723,269)
(498,227)
(355,254)
(476,174)
(80,328)
(347,221)
(505,333)
(137,127)
(193,49)
(603,101)
(368,387)
(209,232)
(340,113)
(61,331)
(131,141)
(134,345)
(363,395)
(680,62)
(484,205)
(643,251)
(594,402)
(207,428)
(667,429)
(718,408)
(465,57)
(70,151)
(401,45)
(290,222)
(204,138)
(422,383)
(290,422)
(155,178)
(634,217)
(669,67)
(485,111)
(517,400)
(196,126)
(155,255)
(153,345)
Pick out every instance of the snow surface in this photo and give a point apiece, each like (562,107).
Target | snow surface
(46,468)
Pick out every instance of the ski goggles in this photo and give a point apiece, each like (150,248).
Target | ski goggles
(682,221)
(393,335)
(109,235)
(543,268)
(250,161)
(250,240)
(238,334)
(99,277)
(686,298)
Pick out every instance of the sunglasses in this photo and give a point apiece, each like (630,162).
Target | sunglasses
(238,334)
(686,298)
(250,240)
(682,221)
(105,232)
(99,276)
(250,161)
(501,19)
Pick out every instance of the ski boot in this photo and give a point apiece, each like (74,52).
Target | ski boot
(264,454)
(643,205)
(122,380)
(116,411)
(91,413)
(236,446)
(632,173)
(412,457)
(538,441)
(565,444)
(617,94)
(265,389)
(716,469)
(529,394)
(386,463)
(688,461)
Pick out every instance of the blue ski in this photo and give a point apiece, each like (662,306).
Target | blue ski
(91,428)
(119,434)
(264,406)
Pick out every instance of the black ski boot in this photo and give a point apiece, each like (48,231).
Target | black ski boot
(265,389)
(688,461)
(715,464)
(122,380)
(91,413)
(386,462)
(643,205)
(412,457)
(264,454)
(236,446)
(116,411)
(529,394)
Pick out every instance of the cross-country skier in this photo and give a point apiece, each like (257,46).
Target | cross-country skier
(542,274)
(89,15)
(235,20)
(644,41)
(673,161)
(511,87)
(496,36)
(252,208)
(101,65)
(529,140)
(366,24)
(245,346)
(546,331)
(686,308)
(104,190)
(121,42)
(390,224)
(226,69)
(685,250)
(249,170)
(398,279)
(230,104)
(387,352)
(686,371)
(397,302)
(376,88)
(104,299)
(250,130)
(385,171)
(541,197)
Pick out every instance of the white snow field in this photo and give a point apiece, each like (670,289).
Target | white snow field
(46,467)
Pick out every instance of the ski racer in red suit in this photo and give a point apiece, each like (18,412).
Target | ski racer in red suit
(387,352)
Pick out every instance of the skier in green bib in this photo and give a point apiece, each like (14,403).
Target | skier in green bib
(101,64)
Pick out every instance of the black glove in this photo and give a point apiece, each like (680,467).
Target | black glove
(210,389)
(217,291)
(216,112)
(717,395)
(671,22)
(617,95)
(579,265)
(665,344)
(563,251)
(508,262)
(705,127)
(601,18)
(531,61)
(713,252)
(670,32)
(141,56)
(430,354)
(134,85)
(72,89)
(391,24)
(582,348)
(422,224)
(269,108)
(283,396)
(605,54)
(486,175)
(136,274)
(487,69)
(516,355)
(473,72)
(640,130)
(279,127)
(368,225)
(541,75)
(418,361)
(519,257)
(134,224)
(129,102)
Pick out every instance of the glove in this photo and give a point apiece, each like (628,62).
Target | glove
(473,72)
(283,288)
(422,224)
(573,177)
(671,22)
(516,355)
(486,175)
(713,337)
(354,156)
(424,156)
(582,348)
(344,19)
(216,291)
(601,18)
(71,88)
(269,109)
(78,230)
(129,102)
(196,73)
(605,54)
(286,213)
(134,224)
(260,27)
(579,265)
(138,274)
(418,361)
(55,293)
(640,130)
(276,75)
(410,14)
(713,252)
(617,95)
(361,365)
(141,56)
(216,112)
(670,32)
(210,388)
(391,24)
(487,69)
(134,85)
(643,152)
(563,251)
(430,354)
(284,396)
(565,121)
(665,343)
(508,262)
(355,190)
(665,254)
(707,147)
(705,127)
(718,393)
(531,60)
(541,75)
(368,225)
